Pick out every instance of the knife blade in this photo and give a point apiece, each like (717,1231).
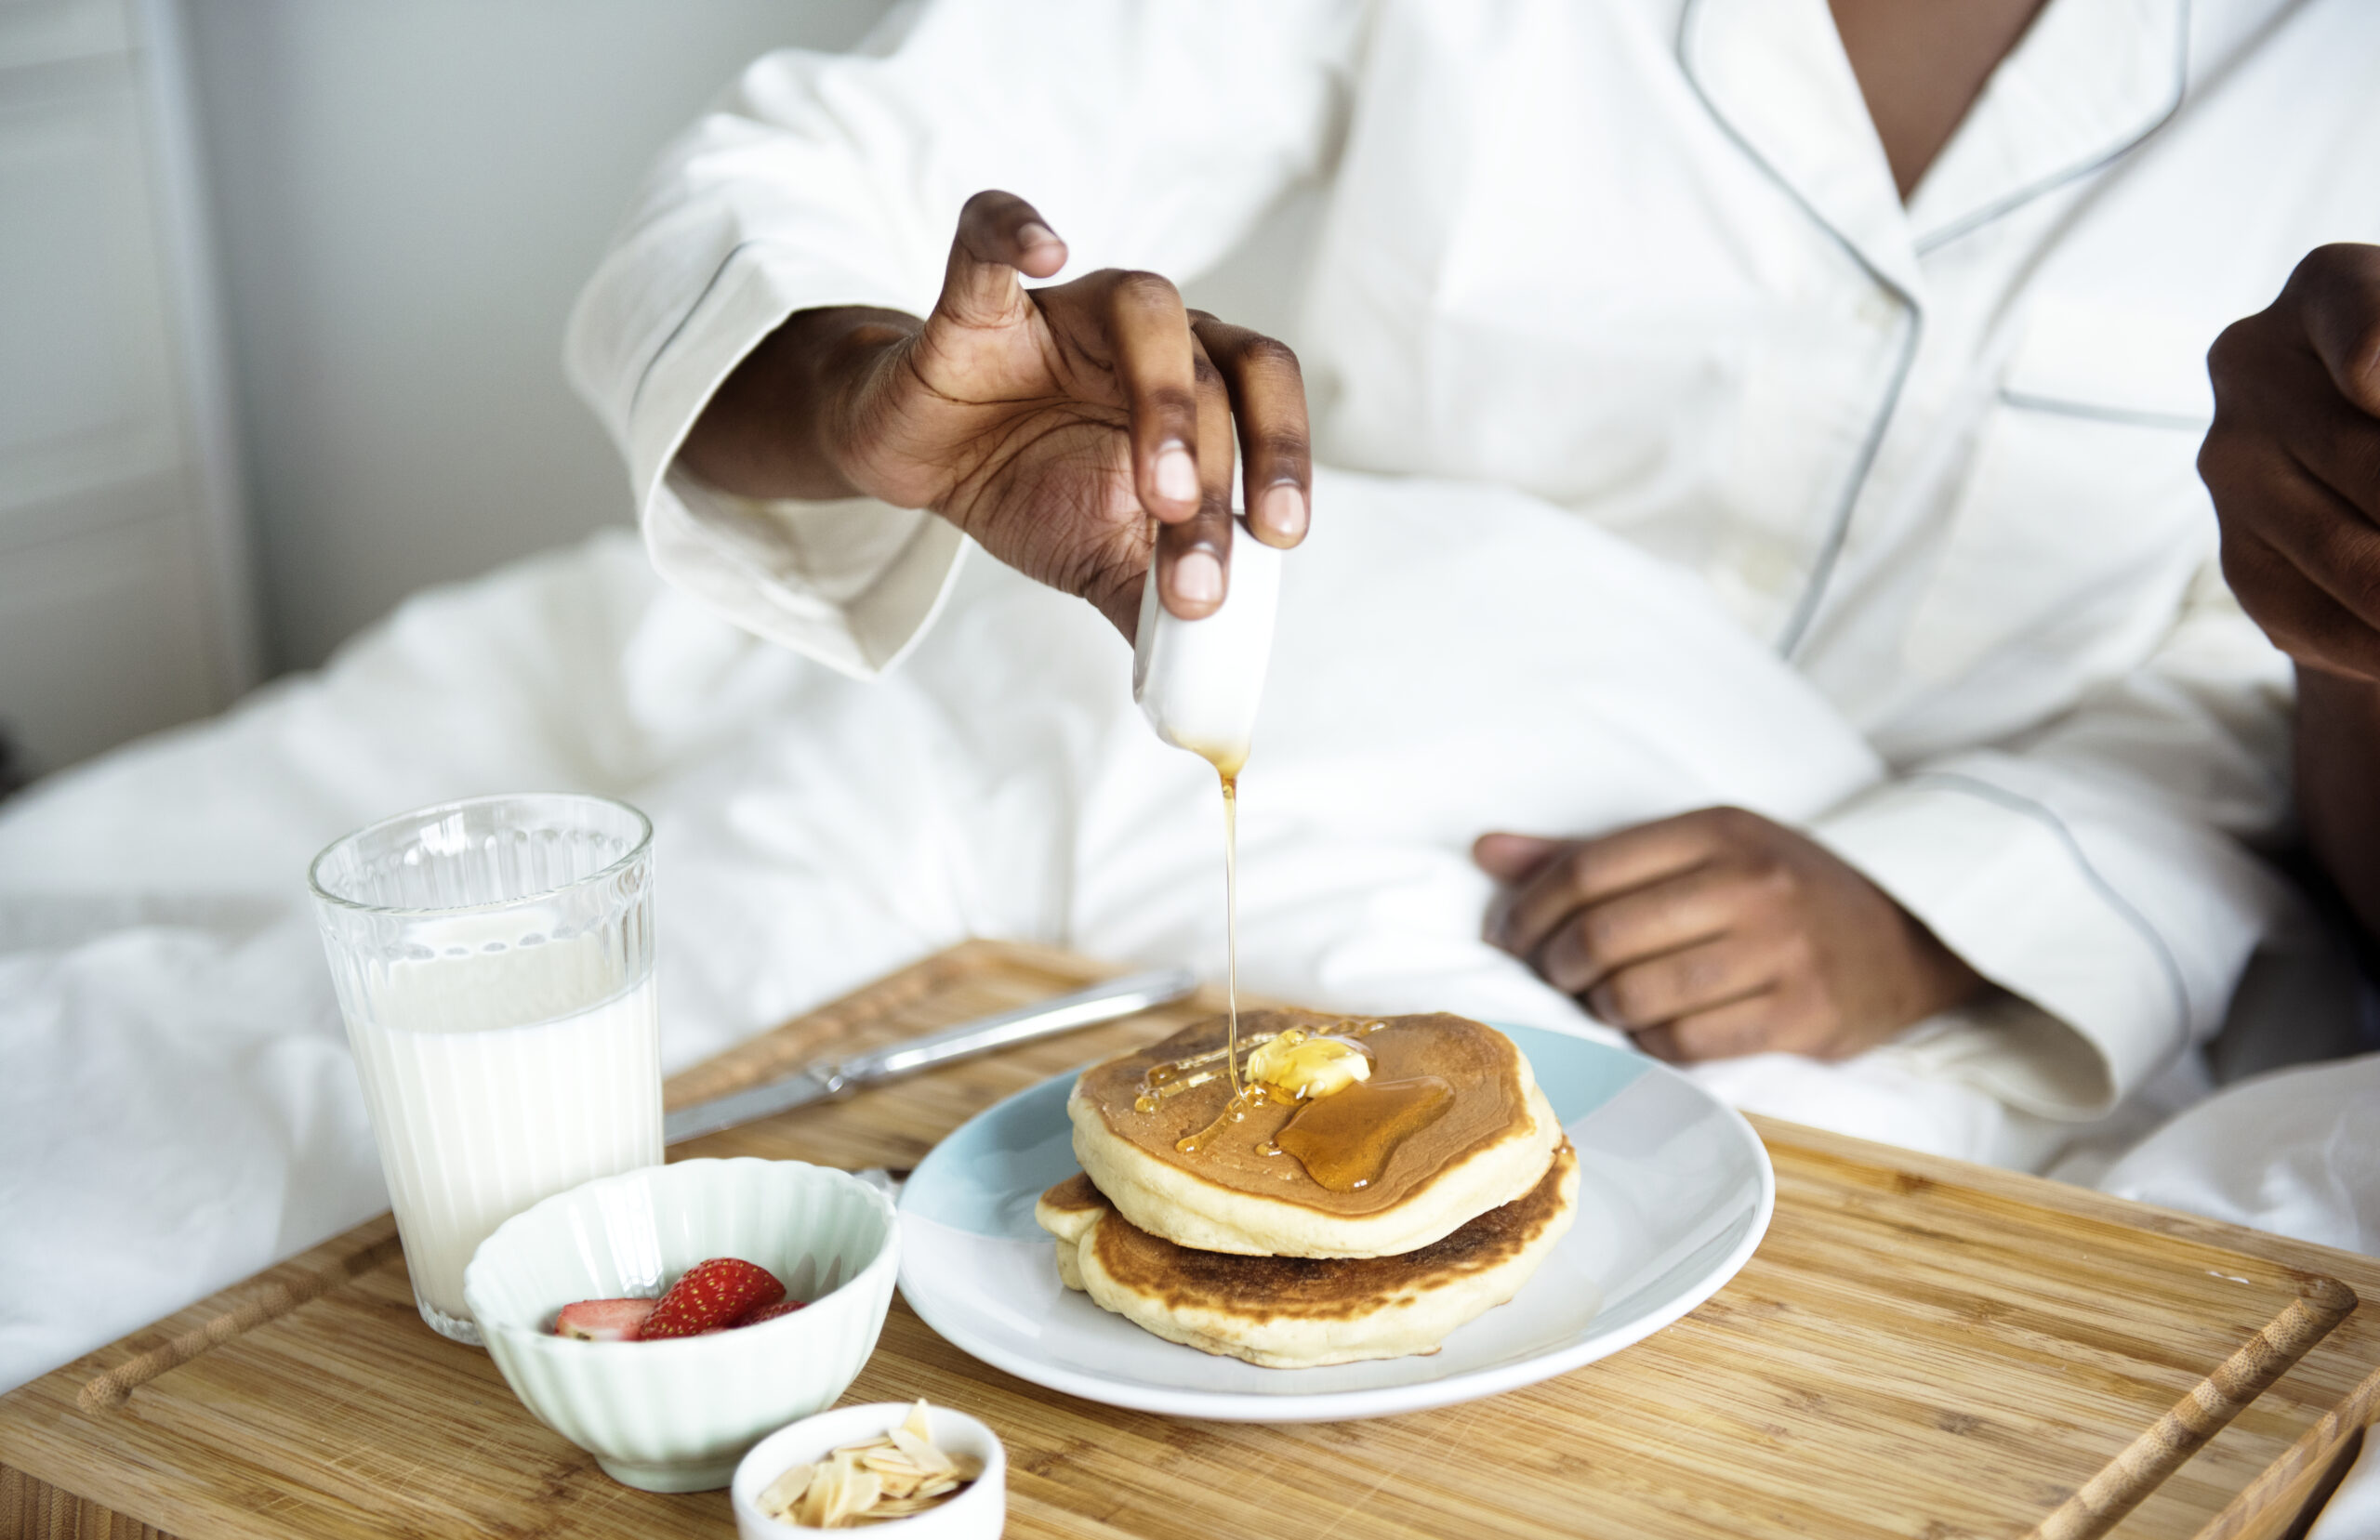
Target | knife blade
(827,1079)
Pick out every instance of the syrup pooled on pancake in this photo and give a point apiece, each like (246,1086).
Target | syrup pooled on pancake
(1344,1141)
(1292,1068)
(1432,1091)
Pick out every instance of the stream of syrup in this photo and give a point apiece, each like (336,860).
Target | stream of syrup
(1231,917)
(1242,1098)
(1345,1148)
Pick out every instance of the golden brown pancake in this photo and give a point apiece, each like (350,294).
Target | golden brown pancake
(1492,1143)
(1286,1312)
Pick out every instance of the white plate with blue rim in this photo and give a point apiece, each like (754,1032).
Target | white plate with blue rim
(1674,1191)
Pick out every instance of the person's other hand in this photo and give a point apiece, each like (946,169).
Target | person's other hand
(1719,933)
(2292,461)
(1074,430)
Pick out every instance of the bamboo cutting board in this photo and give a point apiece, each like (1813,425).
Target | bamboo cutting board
(1920,1347)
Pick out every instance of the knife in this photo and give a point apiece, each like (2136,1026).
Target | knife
(828,1079)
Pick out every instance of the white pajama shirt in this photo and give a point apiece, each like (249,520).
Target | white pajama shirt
(1643,259)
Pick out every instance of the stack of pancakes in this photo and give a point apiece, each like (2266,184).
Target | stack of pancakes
(1235,1247)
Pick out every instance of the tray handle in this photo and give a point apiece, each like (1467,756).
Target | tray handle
(2159,1450)
(114,1387)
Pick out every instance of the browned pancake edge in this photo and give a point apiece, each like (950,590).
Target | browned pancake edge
(1305,1288)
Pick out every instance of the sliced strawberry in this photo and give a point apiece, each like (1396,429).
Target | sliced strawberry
(709,1295)
(604,1320)
(769,1312)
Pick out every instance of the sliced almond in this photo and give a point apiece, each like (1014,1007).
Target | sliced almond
(812,1509)
(929,1460)
(862,1492)
(778,1498)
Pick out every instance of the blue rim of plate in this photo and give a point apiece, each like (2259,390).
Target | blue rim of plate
(1580,1075)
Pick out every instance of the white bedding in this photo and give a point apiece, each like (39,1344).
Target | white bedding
(179,1110)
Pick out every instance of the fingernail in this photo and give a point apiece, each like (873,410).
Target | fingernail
(1033,233)
(1177,481)
(1198,577)
(1282,512)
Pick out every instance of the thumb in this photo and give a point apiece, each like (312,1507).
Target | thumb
(1511,858)
(1001,236)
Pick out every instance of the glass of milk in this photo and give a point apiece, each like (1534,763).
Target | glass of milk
(494,960)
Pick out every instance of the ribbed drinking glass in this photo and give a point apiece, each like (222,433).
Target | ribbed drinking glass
(494,961)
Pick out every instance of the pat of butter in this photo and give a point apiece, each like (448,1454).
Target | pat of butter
(1305,1067)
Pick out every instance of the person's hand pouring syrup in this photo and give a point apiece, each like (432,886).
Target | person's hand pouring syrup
(1073,431)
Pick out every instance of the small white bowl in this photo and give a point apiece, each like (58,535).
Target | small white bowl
(675,1416)
(977,1513)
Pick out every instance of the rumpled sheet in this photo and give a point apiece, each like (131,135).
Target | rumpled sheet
(2297,1152)
(178,1111)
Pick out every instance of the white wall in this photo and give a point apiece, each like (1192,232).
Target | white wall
(407,195)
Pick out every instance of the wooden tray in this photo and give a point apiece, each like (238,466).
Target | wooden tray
(1920,1347)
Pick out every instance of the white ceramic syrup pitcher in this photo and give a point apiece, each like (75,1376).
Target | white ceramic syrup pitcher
(1200,681)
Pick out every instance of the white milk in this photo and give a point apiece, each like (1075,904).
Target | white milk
(485,1098)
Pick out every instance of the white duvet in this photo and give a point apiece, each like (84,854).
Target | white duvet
(179,1110)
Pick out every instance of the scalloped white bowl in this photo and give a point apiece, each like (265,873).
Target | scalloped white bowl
(677,1416)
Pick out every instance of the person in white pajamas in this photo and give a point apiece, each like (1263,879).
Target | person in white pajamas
(1888,325)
